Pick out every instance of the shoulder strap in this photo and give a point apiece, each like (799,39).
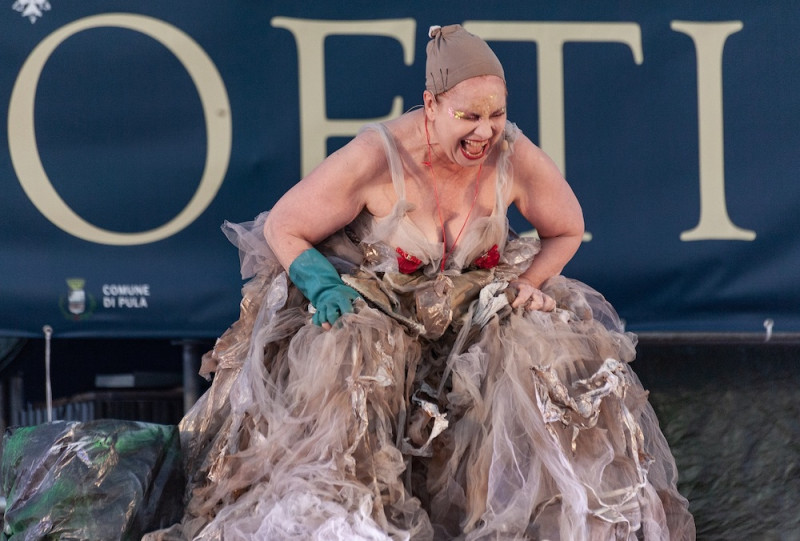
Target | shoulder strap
(393,157)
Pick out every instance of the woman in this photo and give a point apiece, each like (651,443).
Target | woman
(448,383)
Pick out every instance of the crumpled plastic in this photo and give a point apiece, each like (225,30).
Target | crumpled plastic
(104,479)
(427,307)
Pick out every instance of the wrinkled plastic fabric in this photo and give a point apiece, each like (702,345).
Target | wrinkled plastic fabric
(433,411)
(100,480)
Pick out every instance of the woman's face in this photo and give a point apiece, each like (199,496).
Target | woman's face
(469,119)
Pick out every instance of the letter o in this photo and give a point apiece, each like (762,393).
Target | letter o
(25,153)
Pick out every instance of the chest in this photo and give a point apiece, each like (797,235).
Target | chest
(443,207)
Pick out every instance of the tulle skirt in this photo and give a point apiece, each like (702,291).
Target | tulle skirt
(506,425)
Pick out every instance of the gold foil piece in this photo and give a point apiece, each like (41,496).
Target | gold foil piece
(428,307)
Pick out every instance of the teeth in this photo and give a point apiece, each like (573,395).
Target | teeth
(473,148)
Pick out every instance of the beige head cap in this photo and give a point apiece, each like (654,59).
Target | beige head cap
(455,55)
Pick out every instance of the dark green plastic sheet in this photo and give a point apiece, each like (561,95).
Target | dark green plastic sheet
(100,480)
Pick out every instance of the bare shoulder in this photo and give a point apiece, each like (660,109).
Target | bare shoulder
(406,129)
(541,192)
(532,165)
(359,160)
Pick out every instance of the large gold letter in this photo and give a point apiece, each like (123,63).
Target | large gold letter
(550,38)
(709,40)
(22,136)
(315,127)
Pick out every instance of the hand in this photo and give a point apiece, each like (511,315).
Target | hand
(531,298)
(316,277)
(332,303)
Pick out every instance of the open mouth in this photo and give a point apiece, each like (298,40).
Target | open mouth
(473,150)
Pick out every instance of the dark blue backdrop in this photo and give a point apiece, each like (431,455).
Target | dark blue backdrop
(115,111)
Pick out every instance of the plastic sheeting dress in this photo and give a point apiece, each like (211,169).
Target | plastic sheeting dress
(435,411)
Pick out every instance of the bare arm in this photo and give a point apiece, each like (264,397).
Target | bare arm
(545,199)
(329,198)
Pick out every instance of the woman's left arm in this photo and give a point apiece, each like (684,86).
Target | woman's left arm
(546,200)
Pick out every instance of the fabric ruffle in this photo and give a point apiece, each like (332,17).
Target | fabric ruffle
(510,424)
(434,411)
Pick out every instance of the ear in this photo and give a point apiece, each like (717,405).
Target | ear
(430,105)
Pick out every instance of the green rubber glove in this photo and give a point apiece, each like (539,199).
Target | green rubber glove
(314,275)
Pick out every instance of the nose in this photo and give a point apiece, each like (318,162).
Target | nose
(484,129)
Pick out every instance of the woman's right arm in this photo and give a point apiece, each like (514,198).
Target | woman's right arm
(328,199)
(320,204)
